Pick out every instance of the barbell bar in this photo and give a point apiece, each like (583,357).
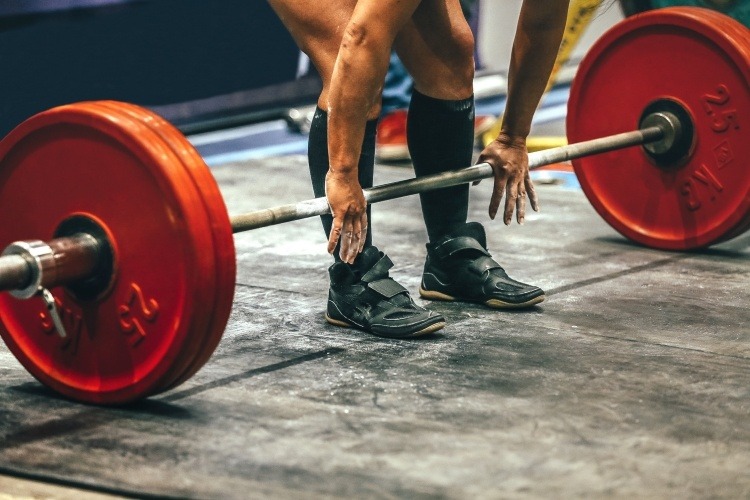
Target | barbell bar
(667,126)
(137,279)
(27,266)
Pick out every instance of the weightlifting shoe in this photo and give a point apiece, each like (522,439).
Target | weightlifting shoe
(363,296)
(459,267)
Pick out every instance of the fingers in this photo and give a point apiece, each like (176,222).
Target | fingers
(334,236)
(352,239)
(349,210)
(497,196)
(515,200)
(363,236)
(351,233)
(521,206)
(510,202)
(532,193)
(347,241)
(508,157)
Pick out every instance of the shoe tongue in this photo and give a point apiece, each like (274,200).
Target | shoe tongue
(368,258)
(472,230)
(341,274)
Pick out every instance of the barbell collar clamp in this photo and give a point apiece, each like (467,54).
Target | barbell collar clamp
(51,305)
(41,261)
(679,131)
(670,125)
(30,266)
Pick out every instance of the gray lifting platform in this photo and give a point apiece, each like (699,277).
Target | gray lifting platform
(631,380)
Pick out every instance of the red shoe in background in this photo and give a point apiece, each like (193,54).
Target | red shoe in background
(391,143)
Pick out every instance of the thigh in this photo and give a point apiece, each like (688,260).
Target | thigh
(317,26)
(437,47)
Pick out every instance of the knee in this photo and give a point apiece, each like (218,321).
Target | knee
(447,70)
(460,57)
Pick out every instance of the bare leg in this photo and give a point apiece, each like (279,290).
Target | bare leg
(317,27)
(437,47)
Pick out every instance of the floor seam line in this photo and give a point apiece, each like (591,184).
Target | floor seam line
(612,276)
(670,346)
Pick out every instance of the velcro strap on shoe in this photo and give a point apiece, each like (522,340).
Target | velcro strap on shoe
(483,264)
(453,246)
(379,270)
(387,287)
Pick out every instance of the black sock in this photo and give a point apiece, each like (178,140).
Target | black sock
(440,134)
(317,157)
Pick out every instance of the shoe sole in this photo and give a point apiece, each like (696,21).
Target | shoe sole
(392,153)
(425,331)
(491,303)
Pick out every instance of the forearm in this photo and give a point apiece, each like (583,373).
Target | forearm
(537,40)
(355,91)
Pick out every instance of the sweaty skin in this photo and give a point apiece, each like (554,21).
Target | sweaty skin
(350,41)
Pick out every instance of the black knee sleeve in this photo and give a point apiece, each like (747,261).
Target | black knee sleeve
(440,134)
(317,156)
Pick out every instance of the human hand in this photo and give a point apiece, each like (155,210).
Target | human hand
(509,159)
(349,210)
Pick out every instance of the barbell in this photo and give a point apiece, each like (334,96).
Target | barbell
(128,287)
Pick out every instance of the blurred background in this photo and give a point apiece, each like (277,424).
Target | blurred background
(203,65)
(217,65)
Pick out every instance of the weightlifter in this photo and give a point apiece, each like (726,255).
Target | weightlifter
(349,42)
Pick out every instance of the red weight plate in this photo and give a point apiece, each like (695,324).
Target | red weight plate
(740,31)
(81,160)
(212,325)
(225,268)
(701,60)
(217,284)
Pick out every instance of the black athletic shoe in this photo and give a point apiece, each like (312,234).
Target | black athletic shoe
(374,302)
(459,267)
